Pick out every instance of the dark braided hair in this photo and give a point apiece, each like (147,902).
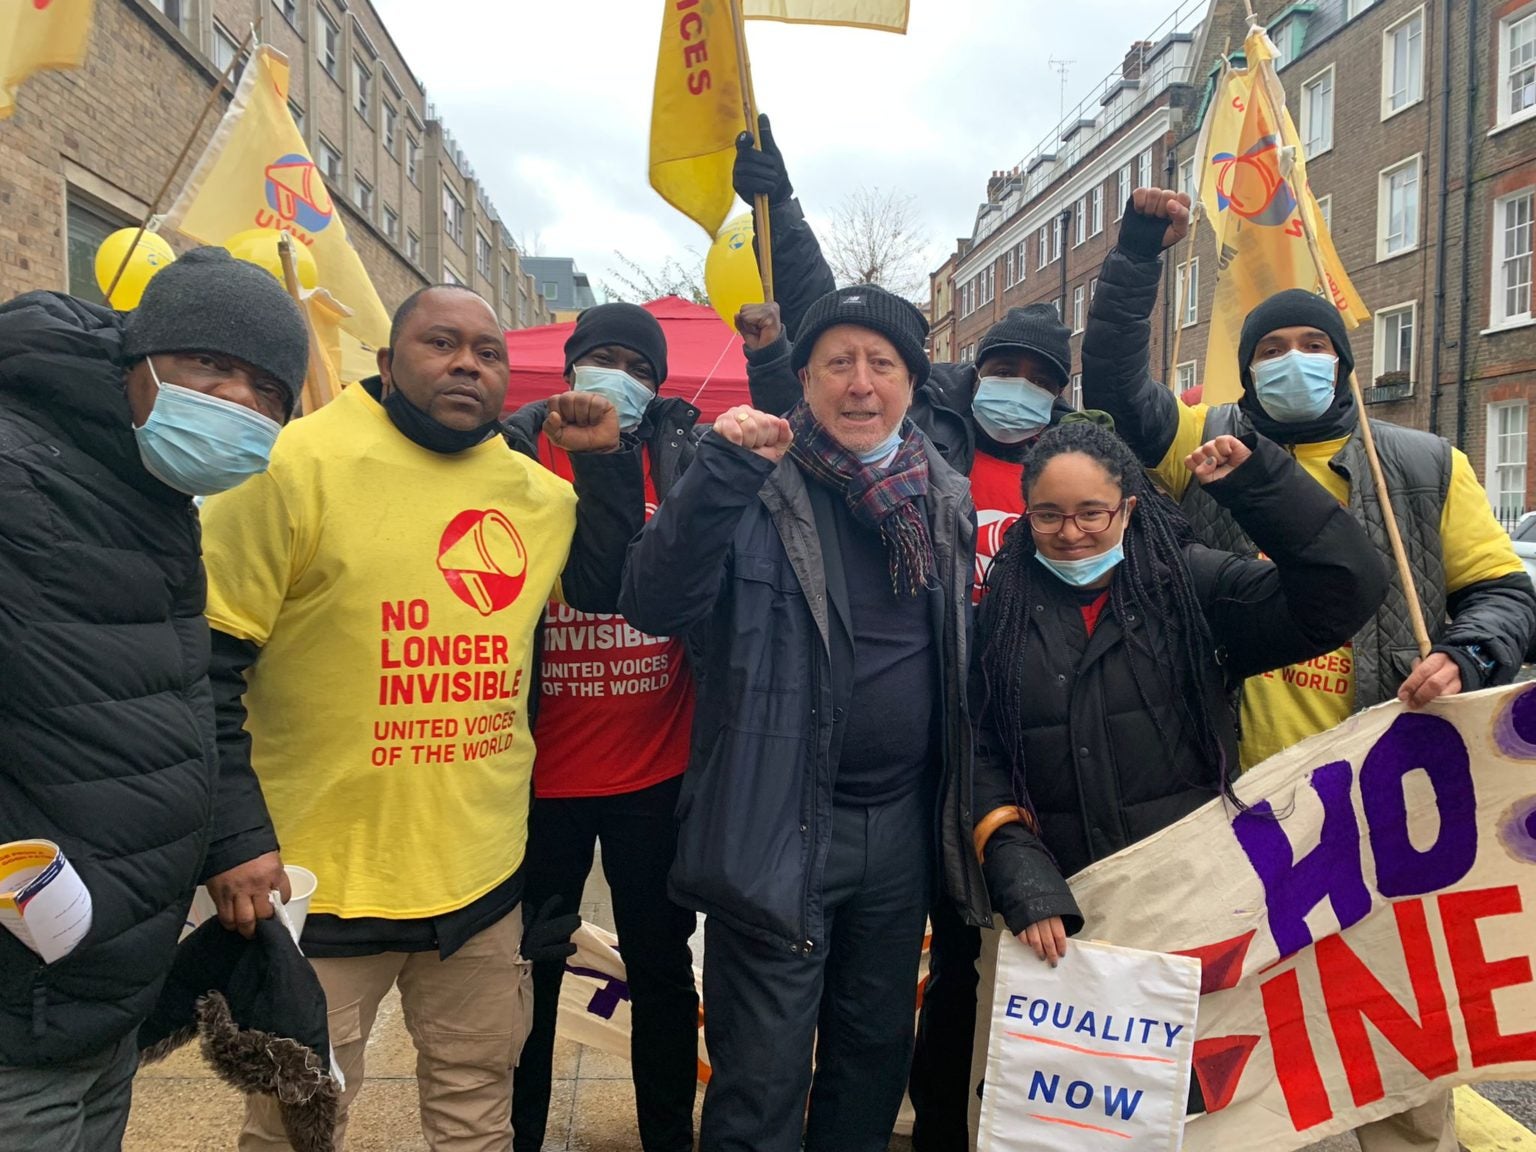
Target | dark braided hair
(1153,580)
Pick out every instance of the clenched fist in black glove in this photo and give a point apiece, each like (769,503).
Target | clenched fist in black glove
(547,937)
(760,173)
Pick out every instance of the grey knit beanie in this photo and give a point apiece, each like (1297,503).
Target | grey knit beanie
(207,301)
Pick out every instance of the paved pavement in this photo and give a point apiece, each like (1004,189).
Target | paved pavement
(180,1107)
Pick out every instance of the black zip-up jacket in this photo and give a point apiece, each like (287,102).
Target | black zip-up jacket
(1101,768)
(106,722)
(734,559)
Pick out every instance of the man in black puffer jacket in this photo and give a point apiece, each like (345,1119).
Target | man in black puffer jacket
(109,424)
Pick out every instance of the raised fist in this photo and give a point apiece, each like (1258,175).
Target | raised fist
(1217,459)
(759,324)
(582,422)
(768,436)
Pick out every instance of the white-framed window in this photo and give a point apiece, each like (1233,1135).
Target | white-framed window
(1317,113)
(1023,261)
(1396,329)
(412,247)
(176,11)
(1510,302)
(225,48)
(1077,308)
(452,275)
(1056,304)
(1122,190)
(1517,67)
(1080,221)
(1144,169)
(1187,179)
(1507,425)
(362,85)
(1093,289)
(362,192)
(483,261)
(327,41)
(328,158)
(1185,376)
(1075,391)
(1353,8)
(412,158)
(1008,269)
(1043,255)
(991,283)
(1096,205)
(1325,206)
(1402,64)
(391,223)
(1057,230)
(1190,287)
(453,215)
(1280,36)
(391,127)
(1397,209)
(289,9)
(298,116)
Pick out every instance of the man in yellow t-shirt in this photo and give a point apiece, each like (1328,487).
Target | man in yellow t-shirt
(1295,361)
(374,600)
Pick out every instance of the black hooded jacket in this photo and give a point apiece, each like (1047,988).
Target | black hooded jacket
(106,722)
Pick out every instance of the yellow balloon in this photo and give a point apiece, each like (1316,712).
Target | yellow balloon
(148,256)
(259,246)
(730,270)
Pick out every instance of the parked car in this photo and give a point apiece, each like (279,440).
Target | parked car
(1524,537)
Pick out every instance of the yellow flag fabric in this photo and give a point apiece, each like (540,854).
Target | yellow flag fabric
(39,34)
(697,111)
(324,380)
(885,15)
(1255,196)
(257,173)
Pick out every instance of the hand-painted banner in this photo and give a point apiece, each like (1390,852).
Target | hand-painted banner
(1092,1054)
(1367,927)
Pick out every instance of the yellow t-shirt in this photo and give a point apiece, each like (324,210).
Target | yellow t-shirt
(1289,704)
(395,594)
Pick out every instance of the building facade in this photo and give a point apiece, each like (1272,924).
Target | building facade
(88,148)
(941,308)
(564,287)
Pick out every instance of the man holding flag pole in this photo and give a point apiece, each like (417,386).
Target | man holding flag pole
(1460,611)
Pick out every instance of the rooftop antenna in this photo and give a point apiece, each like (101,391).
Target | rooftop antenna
(1061,67)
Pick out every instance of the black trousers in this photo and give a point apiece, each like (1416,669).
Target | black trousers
(946,1029)
(852,1000)
(639,839)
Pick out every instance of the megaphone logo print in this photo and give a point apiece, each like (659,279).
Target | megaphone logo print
(483,559)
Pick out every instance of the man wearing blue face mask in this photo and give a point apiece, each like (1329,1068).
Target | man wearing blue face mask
(1295,359)
(615,710)
(110,424)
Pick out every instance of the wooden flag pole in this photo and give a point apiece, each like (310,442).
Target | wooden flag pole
(312,397)
(760,221)
(170,177)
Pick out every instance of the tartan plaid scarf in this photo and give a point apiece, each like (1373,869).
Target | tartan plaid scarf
(883,499)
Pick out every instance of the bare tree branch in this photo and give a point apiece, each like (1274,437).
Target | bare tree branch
(877,238)
(638,285)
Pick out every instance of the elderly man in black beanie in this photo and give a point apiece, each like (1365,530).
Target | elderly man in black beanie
(612,734)
(822,565)
(1295,360)
(109,424)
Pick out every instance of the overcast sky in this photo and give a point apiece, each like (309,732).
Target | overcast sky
(552,103)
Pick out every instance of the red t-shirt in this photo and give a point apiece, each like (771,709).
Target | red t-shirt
(616,705)
(998,492)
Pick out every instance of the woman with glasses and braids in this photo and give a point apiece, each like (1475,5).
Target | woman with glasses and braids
(1110,646)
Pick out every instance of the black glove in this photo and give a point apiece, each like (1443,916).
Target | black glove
(1140,236)
(760,173)
(547,937)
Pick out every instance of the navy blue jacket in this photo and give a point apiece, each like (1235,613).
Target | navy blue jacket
(734,560)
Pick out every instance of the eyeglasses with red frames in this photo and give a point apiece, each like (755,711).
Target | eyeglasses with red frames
(1091,522)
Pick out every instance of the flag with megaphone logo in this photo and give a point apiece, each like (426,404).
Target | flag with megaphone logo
(1255,196)
(257,173)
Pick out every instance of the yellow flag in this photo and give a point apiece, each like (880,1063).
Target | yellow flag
(323,382)
(885,15)
(257,173)
(697,112)
(1254,194)
(36,35)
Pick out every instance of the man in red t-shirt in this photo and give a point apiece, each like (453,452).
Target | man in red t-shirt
(612,732)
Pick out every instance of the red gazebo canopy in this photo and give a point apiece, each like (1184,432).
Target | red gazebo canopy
(705,362)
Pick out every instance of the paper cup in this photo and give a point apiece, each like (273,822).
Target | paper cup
(302,883)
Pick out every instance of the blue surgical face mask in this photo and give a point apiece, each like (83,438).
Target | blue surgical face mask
(1081,573)
(200,444)
(882,451)
(1011,409)
(1297,386)
(628,395)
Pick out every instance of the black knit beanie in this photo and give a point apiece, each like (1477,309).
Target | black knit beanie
(1294,308)
(625,325)
(207,301)
(1034,328)
(868,306)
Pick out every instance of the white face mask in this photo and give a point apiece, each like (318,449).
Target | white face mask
(627,394)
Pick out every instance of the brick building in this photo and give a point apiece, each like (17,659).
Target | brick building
(89,148)
(941,309)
